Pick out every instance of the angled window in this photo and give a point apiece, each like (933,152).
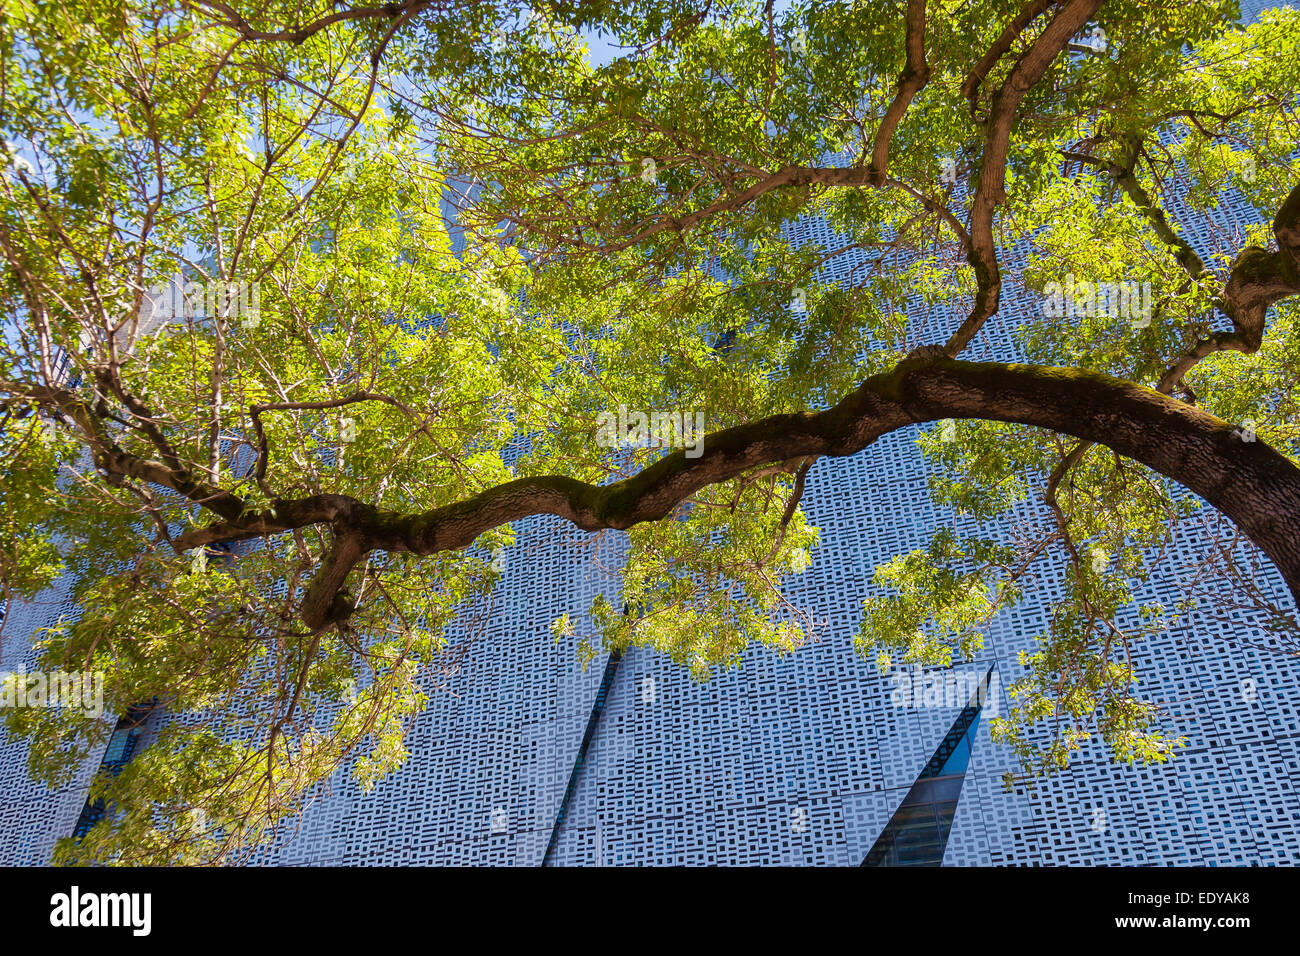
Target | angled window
(118,753)
(917,833)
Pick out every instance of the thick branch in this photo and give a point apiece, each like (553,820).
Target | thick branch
(117,463)
(1248,481)
(970,87)
(990,191)
(387,11)
(916,73)
(1260,277)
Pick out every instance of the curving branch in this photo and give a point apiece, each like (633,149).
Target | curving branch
(119,464)
(990,191)
(970,87)
(916,73)
(1258,278)
(259,432)
(389,11)
(1251,483)
(1261,277)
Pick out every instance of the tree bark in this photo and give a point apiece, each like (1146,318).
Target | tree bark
(1251,483)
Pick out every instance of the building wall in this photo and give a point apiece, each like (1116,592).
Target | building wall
(803,760)
(32,817)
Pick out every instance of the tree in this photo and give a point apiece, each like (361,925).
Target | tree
(478,259)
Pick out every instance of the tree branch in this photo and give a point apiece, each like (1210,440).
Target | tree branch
(255,415)
(387,11)
(970,87)
(1248,481)
(990,192)
(916,73)
(1258,278)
